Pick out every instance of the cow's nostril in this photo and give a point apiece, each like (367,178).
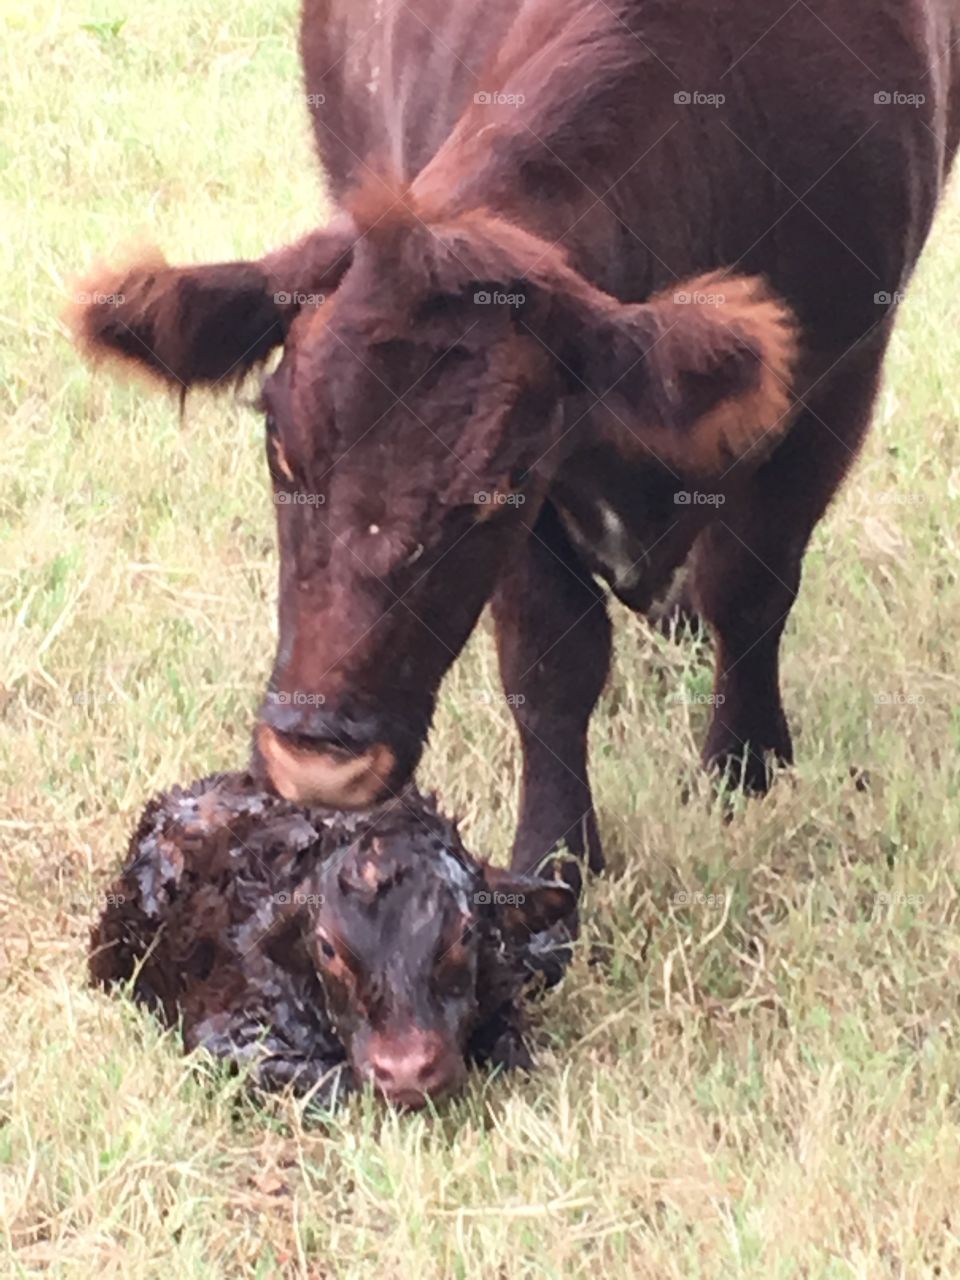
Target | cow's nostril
(319,728)
(334,750)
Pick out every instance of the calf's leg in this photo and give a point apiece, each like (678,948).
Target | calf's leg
(553,640)
(747,567)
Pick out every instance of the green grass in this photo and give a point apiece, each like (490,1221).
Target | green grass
(765,1088)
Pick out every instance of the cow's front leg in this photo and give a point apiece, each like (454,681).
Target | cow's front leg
(553,638)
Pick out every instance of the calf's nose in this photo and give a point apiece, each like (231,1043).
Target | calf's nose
(409,1070)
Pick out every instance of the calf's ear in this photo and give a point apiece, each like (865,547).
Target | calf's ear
(286,941)
(527,904)
(205,324)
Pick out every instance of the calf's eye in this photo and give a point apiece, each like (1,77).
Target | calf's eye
(452,980)
(325,947)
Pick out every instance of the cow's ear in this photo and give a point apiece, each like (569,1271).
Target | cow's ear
(186,325)
(701,374)
(527,904)
(205,324)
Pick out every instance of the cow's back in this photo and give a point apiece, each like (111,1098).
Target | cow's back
(386,81)
(843,123)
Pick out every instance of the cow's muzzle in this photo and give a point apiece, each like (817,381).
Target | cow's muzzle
(314,771)
(343,758)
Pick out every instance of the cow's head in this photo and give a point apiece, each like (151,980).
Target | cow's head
(413,423)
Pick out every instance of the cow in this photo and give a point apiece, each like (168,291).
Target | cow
(605,295)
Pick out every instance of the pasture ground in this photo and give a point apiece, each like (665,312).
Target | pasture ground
(752,1070)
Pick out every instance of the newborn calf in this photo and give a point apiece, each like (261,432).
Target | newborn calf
(325,949)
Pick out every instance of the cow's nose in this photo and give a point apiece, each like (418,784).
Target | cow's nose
(410,1070)
(317,771)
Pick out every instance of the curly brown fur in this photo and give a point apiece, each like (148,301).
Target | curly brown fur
(216,917)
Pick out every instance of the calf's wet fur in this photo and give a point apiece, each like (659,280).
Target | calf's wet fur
(324,949)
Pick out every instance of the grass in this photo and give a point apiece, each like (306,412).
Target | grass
(759,1081)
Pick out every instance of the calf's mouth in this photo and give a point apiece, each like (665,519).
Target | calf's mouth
(414,1068)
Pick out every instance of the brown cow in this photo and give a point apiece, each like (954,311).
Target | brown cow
(540,344)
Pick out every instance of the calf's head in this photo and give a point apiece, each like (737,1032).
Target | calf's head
(431,375)
(415,946)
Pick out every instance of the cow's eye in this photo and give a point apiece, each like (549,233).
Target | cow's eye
(325,947)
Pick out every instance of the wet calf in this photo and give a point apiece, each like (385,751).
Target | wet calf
(325,949)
